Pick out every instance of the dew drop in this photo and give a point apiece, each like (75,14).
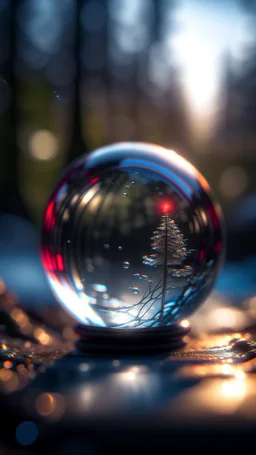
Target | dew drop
(144,277)
(106,245)
(135,291)
(126,265)
(150,281)
(130,288)
(138,275)
(133,182)
(120,248)
(68,241)
(125,194)
(127,187)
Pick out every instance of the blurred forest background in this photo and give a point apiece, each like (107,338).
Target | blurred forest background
(75,75)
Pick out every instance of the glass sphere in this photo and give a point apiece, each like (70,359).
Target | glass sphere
(131,237)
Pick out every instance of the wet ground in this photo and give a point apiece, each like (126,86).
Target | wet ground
(57,400)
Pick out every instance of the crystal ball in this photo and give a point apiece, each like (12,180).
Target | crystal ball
(131,237)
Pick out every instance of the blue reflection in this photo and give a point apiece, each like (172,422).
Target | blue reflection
(168,176)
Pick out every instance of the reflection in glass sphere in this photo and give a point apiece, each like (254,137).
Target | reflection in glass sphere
(131,237)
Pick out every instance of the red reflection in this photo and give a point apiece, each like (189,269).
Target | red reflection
(47,260)
(167,207)
(60,262)
(50,262)
(94,180)
(50,216)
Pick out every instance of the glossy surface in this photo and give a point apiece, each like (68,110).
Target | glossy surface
(131,237)
(189,397)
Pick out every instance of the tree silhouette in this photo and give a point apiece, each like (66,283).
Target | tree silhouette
(11,199)
(171,251)
(77,144)
(235,127)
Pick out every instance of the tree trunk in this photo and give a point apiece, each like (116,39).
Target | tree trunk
(11,200)
(165,268)
(77,144)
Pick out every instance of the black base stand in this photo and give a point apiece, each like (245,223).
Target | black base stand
(98,340)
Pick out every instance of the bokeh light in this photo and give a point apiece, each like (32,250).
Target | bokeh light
(45,404)
(233,181)
(26,433)
(43,145)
